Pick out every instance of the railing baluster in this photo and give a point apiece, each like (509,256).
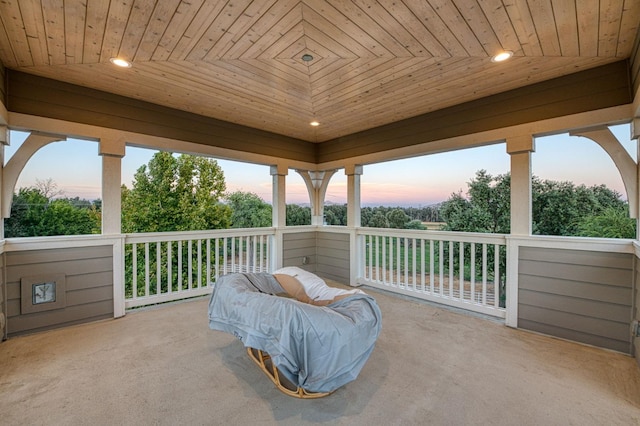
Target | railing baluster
(461,269)
(384,260)
(369,251)
(158,267)
(146,269)
(398,262)
(496,276)
(431,265)
(451,269)
(216,256)
(254,245)
(224,255)
(179,266)
(484,274)
(134,278)
(241,249)
(473,273)
(413,263)
(199,251)
(189,265)
(441,265)
(208,257)
(378,261)
(169,267)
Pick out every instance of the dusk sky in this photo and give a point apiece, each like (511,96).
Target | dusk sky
(75,167)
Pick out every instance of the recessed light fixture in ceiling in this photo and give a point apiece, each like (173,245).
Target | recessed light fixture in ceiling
(307,58)
(502,56)
(315,123)
(119,62)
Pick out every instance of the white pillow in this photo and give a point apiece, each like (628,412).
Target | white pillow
(314,286)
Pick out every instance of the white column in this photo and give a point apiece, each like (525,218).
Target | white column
(112,152)
(279,212)
(353,173)
(520,149)
(4,140)
(635,134)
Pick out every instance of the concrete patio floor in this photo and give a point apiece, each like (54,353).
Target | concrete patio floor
(431,365)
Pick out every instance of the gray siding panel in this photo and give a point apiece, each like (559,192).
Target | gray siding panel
(593,89)
(333,256)
(575,336)
(582,273)
(88,284)
(3,309)
(578,295)
(636,309)
(296,247)
(45,97)
(589,291)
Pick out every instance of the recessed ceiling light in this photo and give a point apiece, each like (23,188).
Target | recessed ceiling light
(121,62)
(502,56)
(307,58)
(314,123)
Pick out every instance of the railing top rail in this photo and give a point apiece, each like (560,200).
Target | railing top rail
(57,242)
(610,245)
(476,237)
(197,235)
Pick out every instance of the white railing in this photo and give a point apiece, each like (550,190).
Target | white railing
(161,267)
(457,269)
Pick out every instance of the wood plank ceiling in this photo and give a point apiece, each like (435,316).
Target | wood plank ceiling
(374,62)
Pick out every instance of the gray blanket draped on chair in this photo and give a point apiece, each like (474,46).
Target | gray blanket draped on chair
(317,348)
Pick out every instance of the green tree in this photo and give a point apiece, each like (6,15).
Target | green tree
(397,219)
(248,210)
(611,223)
(298,215)
(379,220)
(558,208)
(415,224)
(34,214)
(175,194)
(335,214)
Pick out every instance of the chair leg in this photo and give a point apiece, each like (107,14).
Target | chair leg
(263,360)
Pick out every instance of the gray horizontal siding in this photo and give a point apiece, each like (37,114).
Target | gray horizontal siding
(296,247)
(578,295)
(333,256)
(3,313)
(88,282)
(45,97)
(597,88)
(636,309)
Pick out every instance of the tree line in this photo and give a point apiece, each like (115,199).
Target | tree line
(184,193)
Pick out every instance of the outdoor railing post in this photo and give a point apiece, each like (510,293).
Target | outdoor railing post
(118,278)
(511,287)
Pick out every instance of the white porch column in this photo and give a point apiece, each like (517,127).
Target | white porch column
(317,183)
(635,134)
(520,149)
(279,212)
(111,151)
(353,173)
(4,140)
